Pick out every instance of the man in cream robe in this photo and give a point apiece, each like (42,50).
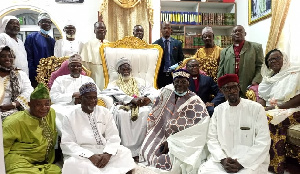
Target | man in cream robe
(90,139)
(91,55)
(238,135)
(65,90)
(128,90)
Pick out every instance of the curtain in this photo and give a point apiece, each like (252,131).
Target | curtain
(280,9)
(290,36)
(120,18)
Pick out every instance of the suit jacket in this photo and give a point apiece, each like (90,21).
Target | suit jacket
(207,87)
(251,60)
(175,53)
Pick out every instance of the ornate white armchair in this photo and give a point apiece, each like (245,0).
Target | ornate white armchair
(145,58)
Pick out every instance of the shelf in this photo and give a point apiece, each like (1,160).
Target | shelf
(202,26)
(191,4)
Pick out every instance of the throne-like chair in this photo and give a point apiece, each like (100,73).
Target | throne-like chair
(49,65)
(145,58)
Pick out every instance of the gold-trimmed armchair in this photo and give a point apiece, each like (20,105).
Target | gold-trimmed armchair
(145,58)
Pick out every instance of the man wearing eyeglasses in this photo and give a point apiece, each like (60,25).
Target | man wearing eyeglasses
(39,45)
(238,134)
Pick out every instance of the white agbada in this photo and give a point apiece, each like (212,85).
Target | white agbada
(63,47)
(61,95)
(19,50)
(240,132)
(84,135)
(91,59)
(132,133)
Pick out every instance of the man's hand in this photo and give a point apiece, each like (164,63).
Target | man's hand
(8,107)
(254,83)
(207,104)
(164,148)
(76,97)
(231,165)
(144,101)
(100,160)
(135,101)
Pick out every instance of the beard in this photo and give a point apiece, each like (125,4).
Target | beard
(70,36)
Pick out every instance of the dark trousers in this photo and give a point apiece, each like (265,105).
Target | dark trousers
(164,78)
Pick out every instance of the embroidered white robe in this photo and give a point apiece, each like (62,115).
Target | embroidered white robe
(86,134)
(64,47)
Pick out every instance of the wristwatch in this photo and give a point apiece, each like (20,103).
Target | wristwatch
(14,104)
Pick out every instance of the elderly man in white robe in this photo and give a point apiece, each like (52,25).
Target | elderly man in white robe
(9,29)
(238,135)
(69,45)
(90,139)
(133,99)
(65,90)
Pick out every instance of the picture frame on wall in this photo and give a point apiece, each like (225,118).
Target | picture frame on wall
(259,10)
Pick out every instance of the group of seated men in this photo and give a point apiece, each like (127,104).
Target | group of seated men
(167,129)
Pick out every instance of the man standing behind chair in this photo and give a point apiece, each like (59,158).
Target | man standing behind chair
(172,54)
(68,46)
(11,28)
(209,55)
(238,134)
(138,31)
(39,45)
(91,58)
(204,86)
(29,137)
(243,58)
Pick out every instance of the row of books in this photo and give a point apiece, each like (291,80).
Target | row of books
(195,41)
(196,18)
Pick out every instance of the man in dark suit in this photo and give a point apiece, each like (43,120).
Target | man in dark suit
(172,54)
(204,87)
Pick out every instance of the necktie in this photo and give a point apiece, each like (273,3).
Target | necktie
(166,56)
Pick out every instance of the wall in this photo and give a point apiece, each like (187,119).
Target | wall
(84,14)
(258,32)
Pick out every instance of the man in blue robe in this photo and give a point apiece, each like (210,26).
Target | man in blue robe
(204,86)
(39,45)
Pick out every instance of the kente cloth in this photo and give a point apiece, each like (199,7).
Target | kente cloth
(251,60)
(61,95)
(280,88)
(84,135)
(37,46)
(166,118)
(24,95)
(278,135)
(240,132)
(2,165)
(63,70)
(132,133)
(18,47)
(29,143)
(64,47)
(209,60)
(91,59)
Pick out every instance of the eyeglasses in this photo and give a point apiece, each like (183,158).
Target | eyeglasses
(177,82)
(274,59)
(230,88)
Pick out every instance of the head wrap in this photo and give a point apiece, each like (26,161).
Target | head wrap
(4,22)
(11,51)
(43,16)
(122,61)
(181,73)
(87,87)
(227,78)
(75,58)
(40,92)
(207,29)
(69,22)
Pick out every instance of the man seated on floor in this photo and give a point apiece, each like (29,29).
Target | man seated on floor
(238,135)
(29,137)
(133,101)
(65,90)
(90,139)
(204,86)
(176,129)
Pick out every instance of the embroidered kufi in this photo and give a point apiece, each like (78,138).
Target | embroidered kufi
(87,87)
(75,58)
(43,16)
(40,92)
(122,61)
(181,73)
(207,29)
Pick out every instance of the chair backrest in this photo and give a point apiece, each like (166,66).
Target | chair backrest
(145,58)
(48,65)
